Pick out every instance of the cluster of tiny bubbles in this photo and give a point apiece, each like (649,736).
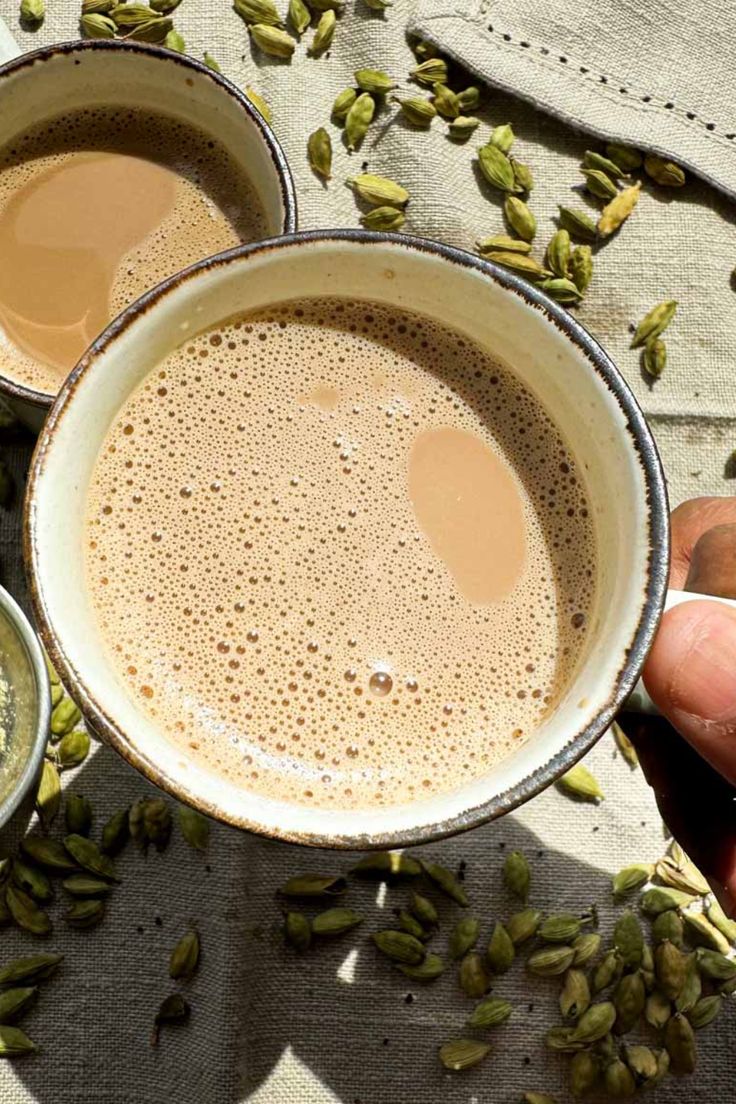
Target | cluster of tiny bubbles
(216,204)
(261,580)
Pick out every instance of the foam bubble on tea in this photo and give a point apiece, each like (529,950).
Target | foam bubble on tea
(339,555)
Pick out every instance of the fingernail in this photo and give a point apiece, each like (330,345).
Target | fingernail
(702,682)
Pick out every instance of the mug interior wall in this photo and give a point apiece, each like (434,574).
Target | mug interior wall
(513,330)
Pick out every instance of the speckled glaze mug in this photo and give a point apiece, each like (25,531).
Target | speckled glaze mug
(547,349)
(48,82)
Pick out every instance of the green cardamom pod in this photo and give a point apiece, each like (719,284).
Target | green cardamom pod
(97,26)
(584,1073)
(445,100)
(48,852)
(327,5)
(663,172)
(642,1061)
(358,119)
(523,176)
(473,978)
(297,930)
(14,1002)
(64,717)
(714,965)
(562,928)
(78,814)
(657,1010)
(497,170)
(32,12)
(578,224)
(718,918)
(335,921)
(34,968)
(343,102)
(417,111)
(31,881)
(518,262)
(654,358)
(155,30)
(517,876)
(272,40)
(400,947)
(599,184)
(428,970)
(14,1043)
(618,1079)
(463,126)
(424,910)
(628,938)
(319,153)
(314,885)
(88,855)
(608,970)
(48,795)
(595,1022)
(563,291)
(72,749)
(502,137)
(430,72)
(624,156)
(705,934)
(623,742)
(442,877)
(387,865)
(469,98)
(523,925)
(258,11)
(149,821)
(259,104)
(500,953)
(132,15)
(460,1054)
(550,961)
(581,273)
(631,878)
(647,967)
(381,191)
(692,987)
(25,912)
(490,1013)
(85,885)
(671,966)
(562,1039)
(464,936)
(519,217)
(299,16)
(682,875)
(57,693)
(593,160)
(558,252)
(579,782)
(172,1010)
(323,35)
(502,243)
(575,994)
(423,49)
(85,913)
(658,899)
(629,999)
(115,832)
(184,958)
(615,213)
(383,219)
(195,828)
(378,5)
(211,62)
(586,948)
(175,41)
(374,81)
(705,1011)
(680,1042)
(164,7)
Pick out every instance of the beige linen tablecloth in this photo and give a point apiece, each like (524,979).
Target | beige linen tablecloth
(337,1025)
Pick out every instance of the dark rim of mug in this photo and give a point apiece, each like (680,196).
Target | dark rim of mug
(42,399)
(657,545)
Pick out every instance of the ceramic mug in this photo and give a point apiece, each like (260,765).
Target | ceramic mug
(544,346)
(101,72)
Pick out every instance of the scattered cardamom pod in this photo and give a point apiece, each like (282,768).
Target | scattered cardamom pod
(692,987)
(87,854)
(658,1009)
(523,925)
(500,953)
(517,262)
(327,5)
(705,934)
(560,928)
(558,252)
(578,224)
(473,978)
(496,169)
(593,160)
(562,291)
(584,1073)
(595,1023)
(387,865)
(32,12)
(517,875)
(424,910)
(628,939)
(258,11)
(14,1002)
(599,184)
(428,970)
(445,100)
(173,1009)
(490,1013)
(78,814)
(31,969)
(299,16)
(469,98)
(175,41)
(502,243)
(194,827)
(631,878)
(149,821)
(550,961)
(642,1061)
(522,176)
(663,172)
(85,913)
(629,1000)
(378,190)
(32,881)
(417,111)
(343,102)
(319,152)
(430,72)
(155,30)
(383,219)
(615,213)
(463,126)
(705,1011)
(297,930)
(623,742)
(26,913)
(164,7)
(57,693)
(14,1043)
(272,40)
(654,357)
(445,880)
(184,958)
(562,1039)
(658,899)
(72,749)
(654,322)
(374,81)
(259,104)
(519,217)
(85,885)
(502,137)
(714,965)
(671,965)
(575,994)
(586,947)
(400,947)
(335,921)
(314,885)
(608,970)
(64,717)
(48,795)
(579,782)
(460,1054)
(323,35)
(581,273)
(212,63)
(132,15)
(618,1079)
(358,119)
(624,156)
(97,26)
(48,852)
(718,918)
(680,1042)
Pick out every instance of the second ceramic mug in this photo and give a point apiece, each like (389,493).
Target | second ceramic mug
(553,356)
(48,82)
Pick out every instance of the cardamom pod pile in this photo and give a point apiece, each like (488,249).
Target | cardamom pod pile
(630,1007)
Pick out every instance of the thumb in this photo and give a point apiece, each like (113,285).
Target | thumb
(691,677)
